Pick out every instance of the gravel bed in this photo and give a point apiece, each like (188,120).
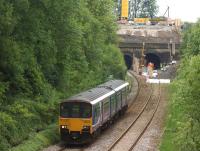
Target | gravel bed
(151,138)
(115,130)
(112,133)
(134,132)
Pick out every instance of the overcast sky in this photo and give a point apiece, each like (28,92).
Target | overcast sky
(186,10)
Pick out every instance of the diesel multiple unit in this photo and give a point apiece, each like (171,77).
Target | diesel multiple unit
(84,115)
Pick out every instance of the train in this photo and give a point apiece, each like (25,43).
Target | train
(83,116)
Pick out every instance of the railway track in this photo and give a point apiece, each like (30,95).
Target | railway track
(139,81)
(122,140)
(141,88)
(137,86)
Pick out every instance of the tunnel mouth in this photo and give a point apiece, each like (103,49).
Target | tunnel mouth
(128,61)
(153,58)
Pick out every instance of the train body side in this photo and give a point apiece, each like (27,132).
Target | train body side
(91,116)
(107,110)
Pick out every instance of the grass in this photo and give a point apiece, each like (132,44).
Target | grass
(167,140)
(39,140)
(175,114)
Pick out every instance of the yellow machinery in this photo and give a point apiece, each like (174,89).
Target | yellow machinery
(141,20)
(124,9)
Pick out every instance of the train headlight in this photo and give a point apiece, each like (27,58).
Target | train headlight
(64,126)
(86,128)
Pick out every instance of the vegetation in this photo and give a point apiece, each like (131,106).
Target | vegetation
(39,140)
(50,50)
(183,125)
(143,8)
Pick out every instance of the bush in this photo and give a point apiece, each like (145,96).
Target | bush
(39,140)
(183,125)
(8,130)
(46,56)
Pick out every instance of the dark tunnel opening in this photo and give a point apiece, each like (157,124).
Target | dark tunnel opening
(128,60)
(150,57)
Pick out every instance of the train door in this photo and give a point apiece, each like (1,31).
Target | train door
(96,118)
(112,105)
(106,109)
(118,100)
(124,97)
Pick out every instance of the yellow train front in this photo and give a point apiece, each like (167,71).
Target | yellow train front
(75,122)
(84,115)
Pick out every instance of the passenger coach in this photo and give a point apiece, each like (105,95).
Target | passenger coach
(84,115)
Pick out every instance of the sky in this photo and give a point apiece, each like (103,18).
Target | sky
(186,10)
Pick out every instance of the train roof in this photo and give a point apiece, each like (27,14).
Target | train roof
(100,92)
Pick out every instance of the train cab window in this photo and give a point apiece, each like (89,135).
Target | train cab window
(75,110)
(86,112)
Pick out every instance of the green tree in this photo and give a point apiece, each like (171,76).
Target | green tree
(149,8)
(191,39)
(50,50)
(143,8)
(185,100)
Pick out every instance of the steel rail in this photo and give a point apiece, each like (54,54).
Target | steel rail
(149,122)
(134,121)
(138,89)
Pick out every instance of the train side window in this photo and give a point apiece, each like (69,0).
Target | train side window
(124,94)
(112,99)
(96,113)
(125,89)
(106,105)
(118,98)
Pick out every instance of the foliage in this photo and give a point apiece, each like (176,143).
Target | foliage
(143,8)
(50,50)
(191,44)
(149,9)
(40,140)
(183,126)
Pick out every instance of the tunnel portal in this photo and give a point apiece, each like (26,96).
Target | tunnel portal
(151,57)
(128,60)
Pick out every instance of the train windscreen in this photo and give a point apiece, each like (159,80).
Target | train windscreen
(75,110)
